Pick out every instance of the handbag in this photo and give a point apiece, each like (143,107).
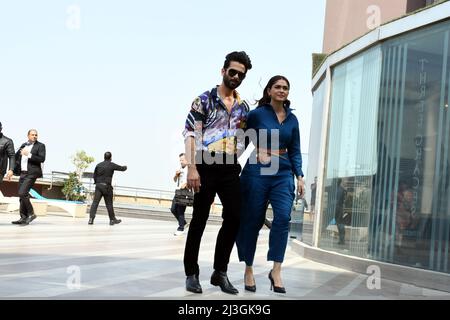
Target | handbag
(184,197)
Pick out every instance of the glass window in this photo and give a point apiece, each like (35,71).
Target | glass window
(410,213)
(387,189)
(306,227)
(351,154)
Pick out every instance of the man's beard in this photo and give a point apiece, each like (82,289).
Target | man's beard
(231,84)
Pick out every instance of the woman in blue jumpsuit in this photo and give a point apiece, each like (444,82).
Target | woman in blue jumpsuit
(268,177)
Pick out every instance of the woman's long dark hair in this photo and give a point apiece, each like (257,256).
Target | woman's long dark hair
(265,98)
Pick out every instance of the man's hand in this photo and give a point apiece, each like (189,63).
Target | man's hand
(9,175)
(300,187)
(178,172)
(183,186)
(193,179)
(24,152)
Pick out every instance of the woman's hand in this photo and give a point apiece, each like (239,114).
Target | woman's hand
(300,187)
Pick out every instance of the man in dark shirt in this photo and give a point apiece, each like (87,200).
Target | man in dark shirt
(102,178)
(6,156)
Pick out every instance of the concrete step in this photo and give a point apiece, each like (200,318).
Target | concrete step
(155,213)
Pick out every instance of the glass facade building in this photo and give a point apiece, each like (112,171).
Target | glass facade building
(385,170)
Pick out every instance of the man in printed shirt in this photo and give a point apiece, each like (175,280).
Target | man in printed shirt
(212,147)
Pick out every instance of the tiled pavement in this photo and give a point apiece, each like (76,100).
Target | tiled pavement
(142,259)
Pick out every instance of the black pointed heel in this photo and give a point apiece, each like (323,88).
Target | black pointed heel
(274,287)
(250,288)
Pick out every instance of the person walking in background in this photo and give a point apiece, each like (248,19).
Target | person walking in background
(211,133)
(339,210)
(6,156)
(299,211)
(30,157)
(103,174)
(273,117)
(178,210)
(313,196)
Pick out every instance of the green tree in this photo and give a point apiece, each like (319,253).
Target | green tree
(81,161)
(73,187)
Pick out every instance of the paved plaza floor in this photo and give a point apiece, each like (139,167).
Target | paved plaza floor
(59,257)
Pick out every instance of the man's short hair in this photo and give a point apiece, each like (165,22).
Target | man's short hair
(238,56)
(181,154)
(108,155)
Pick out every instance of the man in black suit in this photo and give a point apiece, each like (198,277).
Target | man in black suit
(29,160)
(6,153)
(102,178)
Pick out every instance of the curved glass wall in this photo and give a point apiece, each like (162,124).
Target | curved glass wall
(351,154)
(302,217)
(313,163)
(387,188)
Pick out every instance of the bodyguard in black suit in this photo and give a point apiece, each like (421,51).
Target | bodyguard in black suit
(6,155)
(29,160)
(102,178)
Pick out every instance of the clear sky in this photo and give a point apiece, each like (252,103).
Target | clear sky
(100,75)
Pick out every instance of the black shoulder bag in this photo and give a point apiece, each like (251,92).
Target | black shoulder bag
(184,197)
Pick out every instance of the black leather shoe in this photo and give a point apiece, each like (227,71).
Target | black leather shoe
(91,221)
(193,285)
(220,278)
(115,221)
(28,220)
(20,221)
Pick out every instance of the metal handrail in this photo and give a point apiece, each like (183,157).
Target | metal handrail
(58,176)
(52,177)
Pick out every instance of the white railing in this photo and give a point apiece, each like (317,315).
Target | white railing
(88,183)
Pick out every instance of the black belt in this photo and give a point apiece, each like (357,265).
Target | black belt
(103,183)
(23,171)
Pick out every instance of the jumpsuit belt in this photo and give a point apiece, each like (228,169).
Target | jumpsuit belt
(263,154)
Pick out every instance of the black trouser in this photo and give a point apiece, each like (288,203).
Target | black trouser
(25,184)
(341,230)
(340,224)
(1,178)
(178,211)
(106,191)
(222,179)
